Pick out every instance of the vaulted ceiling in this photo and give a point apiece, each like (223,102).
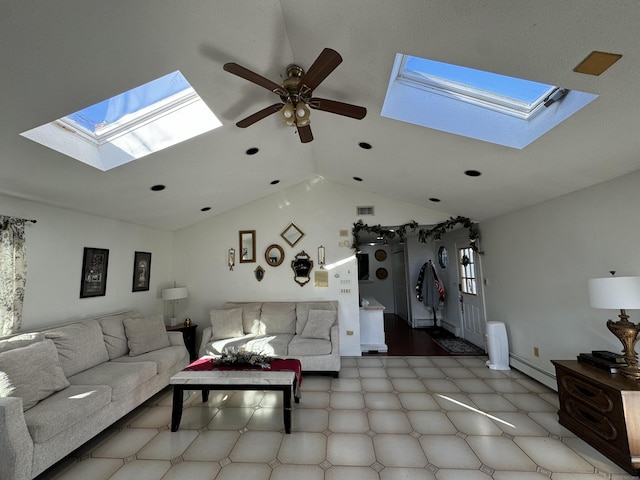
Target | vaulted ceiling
(60,56)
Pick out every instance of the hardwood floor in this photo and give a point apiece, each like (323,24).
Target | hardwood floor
(402,340)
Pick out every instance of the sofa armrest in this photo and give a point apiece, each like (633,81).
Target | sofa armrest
(16,445)
(176,338)
(206,338)
(335,338)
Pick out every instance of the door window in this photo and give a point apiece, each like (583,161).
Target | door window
(467,268)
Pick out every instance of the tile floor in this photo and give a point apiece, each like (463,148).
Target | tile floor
(385,418)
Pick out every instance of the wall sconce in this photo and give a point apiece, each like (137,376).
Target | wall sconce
(321,260)
(231,258)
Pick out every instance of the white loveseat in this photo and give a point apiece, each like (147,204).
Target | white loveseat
(308,331)
(62,386)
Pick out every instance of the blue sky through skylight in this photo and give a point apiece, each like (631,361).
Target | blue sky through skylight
(517,88)
(113,109)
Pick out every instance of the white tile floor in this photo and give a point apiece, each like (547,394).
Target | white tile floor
(385,418)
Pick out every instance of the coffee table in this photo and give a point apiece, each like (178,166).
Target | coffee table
(205,380)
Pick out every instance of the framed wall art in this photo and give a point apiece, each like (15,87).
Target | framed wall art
(94,272)
(141,271)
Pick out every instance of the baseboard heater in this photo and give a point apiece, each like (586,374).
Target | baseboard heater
(534,371)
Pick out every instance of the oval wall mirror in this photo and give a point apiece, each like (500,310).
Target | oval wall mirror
(274,255)
(302,265)
(247,246)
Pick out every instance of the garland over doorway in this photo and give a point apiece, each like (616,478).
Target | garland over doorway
(424,234)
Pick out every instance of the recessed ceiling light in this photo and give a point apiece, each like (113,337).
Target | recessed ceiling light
(472,173)
(365,145)
(252,151)
(433,199)
(275,182)
(158,188)
(357,179)
(205,209)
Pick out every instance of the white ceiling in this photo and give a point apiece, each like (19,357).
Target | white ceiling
(60,56)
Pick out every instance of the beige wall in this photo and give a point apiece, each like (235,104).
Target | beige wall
(538,261)
(55,246)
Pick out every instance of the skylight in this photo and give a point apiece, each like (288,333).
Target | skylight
(130,125)
(473,103)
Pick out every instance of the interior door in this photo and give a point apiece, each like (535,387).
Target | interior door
(470,293)
(401,300)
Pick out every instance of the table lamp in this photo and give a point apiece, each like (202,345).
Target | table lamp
(620,293)
(172,295)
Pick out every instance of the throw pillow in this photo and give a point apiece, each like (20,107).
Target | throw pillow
(226,323)
(319,324)
(145,335)
(32,373)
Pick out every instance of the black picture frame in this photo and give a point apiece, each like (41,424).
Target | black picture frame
(141,271)
(95,263)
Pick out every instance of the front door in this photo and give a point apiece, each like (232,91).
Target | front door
(470,294)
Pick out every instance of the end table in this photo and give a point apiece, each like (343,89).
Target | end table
(189,334)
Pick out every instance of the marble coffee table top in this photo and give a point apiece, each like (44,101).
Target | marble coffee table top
(233,377)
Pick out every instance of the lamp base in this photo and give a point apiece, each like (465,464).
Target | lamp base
(627,332)
(173,321)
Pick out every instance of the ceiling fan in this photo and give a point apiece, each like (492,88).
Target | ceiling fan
(296,94)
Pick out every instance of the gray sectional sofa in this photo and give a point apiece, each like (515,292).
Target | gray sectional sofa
(62,386)
(308,331)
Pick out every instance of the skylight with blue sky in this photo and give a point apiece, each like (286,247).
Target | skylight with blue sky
(477,104)
(131,125)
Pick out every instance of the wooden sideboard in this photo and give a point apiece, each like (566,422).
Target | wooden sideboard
(601,408)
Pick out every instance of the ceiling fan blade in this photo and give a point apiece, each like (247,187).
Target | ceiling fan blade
(326,63)
(265,112)
(253,77)
(305,134)
(339,108)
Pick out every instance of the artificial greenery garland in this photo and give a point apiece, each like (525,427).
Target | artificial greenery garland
(435,232)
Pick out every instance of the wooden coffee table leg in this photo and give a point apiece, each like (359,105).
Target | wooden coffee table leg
(176,412)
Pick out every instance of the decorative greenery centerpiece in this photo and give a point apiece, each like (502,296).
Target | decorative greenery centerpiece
(239,358)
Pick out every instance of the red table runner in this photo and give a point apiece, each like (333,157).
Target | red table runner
(277,364)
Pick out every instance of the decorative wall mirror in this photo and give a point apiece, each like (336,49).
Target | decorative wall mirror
(292,234)
(274,255)
(259,273)
(247,246)
(302,265)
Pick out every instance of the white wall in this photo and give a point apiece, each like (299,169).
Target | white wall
(321,209)
(537,263)
(55,246)
(381,290)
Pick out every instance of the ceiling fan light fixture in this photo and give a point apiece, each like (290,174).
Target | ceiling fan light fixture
(302,114)
(287,113)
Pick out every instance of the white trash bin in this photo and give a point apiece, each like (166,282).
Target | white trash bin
(497,346)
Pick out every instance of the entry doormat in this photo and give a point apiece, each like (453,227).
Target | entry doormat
(459,346)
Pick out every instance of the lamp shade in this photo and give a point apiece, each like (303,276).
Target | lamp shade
(175,293)
(616,293)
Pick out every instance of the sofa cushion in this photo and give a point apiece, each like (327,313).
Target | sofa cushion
(64,409)
(279,317)
(226,323)
(319,324)
(145,334)
(270,344)
(21,340)
(123,378)
(115,337)
(80,346)
(32,372)
(250,316)
(168,360)
(309,346)
(302,312)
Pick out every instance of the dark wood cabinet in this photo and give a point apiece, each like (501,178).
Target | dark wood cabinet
(189,334)
(601,408)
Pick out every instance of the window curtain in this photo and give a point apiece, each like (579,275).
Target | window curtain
(13,273)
